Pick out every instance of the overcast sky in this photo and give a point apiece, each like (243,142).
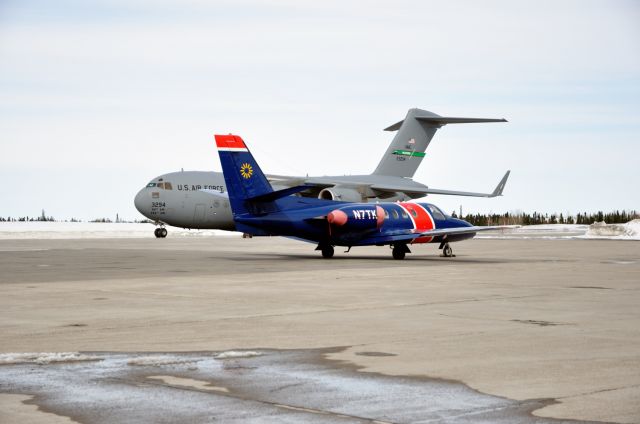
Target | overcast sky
(98,97)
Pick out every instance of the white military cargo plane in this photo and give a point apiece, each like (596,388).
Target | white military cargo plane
(198,199)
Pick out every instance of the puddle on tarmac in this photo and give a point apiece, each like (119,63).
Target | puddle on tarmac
(277,386)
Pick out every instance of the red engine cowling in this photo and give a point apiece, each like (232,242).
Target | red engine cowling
(357,218)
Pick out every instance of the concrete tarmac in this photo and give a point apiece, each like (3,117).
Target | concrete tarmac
(520,319)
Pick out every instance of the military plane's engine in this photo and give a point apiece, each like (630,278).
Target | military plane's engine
(357,218)
(341,194)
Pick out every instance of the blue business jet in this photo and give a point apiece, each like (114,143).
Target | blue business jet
(259,210)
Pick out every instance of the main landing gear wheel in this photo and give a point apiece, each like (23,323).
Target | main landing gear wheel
(399,251)
(160,232)
(327,252)
(447,252)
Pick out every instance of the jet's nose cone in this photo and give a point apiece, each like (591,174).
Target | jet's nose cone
(140,202)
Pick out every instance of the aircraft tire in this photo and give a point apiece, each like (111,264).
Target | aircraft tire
(163,232)
(447,251)
(327,252)
(156,233)
(398,252)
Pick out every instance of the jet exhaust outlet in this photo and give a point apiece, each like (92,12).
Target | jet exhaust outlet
(357,218)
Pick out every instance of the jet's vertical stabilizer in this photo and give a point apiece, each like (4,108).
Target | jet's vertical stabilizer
(243,176)
(415,132)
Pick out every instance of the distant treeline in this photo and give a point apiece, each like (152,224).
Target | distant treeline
(521,218)
(51,219)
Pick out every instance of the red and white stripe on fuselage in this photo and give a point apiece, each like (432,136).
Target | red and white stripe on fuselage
(422,221)
(230,143)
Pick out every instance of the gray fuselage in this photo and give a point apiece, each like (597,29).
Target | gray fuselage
(176,199)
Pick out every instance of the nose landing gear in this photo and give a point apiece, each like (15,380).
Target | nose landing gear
(447,252)
(160,232)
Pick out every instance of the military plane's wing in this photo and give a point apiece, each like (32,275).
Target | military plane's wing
(215,193)
(417,191)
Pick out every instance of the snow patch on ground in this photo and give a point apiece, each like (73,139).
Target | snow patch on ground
(43,358)
(542,231)
(232,354)
(597,230)
(75,230)
(158,361)
(602,230)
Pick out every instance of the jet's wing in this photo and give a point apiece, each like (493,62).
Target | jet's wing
(410,235)
(496,192)
(463,230)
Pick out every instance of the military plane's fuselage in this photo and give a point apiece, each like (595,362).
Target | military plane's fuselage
(176,199)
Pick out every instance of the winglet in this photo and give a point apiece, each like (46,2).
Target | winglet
(500,187)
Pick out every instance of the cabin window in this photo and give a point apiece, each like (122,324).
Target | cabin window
(414,213)
(160,185)
(437,213)
(404,214)
(168,186)
(386,214)
(395,214)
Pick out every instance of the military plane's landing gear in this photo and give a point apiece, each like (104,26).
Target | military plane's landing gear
(160,232)
(399,251)
(447,252)
(327,250)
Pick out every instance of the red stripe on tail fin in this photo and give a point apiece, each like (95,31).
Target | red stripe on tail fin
(230,141)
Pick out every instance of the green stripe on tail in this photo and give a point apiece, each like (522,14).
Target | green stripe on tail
(409,153)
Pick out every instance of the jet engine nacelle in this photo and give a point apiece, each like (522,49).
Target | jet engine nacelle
(357,218)
(341,194)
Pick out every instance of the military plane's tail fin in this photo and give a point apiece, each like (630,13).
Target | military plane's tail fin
(243,176)
(406,151)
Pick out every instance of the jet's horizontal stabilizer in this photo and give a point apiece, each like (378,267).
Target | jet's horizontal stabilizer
(444,120)
(269,197)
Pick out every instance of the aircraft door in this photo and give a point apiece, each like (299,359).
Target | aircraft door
(198,216)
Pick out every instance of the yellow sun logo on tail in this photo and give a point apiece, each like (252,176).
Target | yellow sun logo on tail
(246,170)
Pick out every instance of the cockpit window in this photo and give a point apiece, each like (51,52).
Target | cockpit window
(437,213)
(395,214)
(404,214)
(166,186)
